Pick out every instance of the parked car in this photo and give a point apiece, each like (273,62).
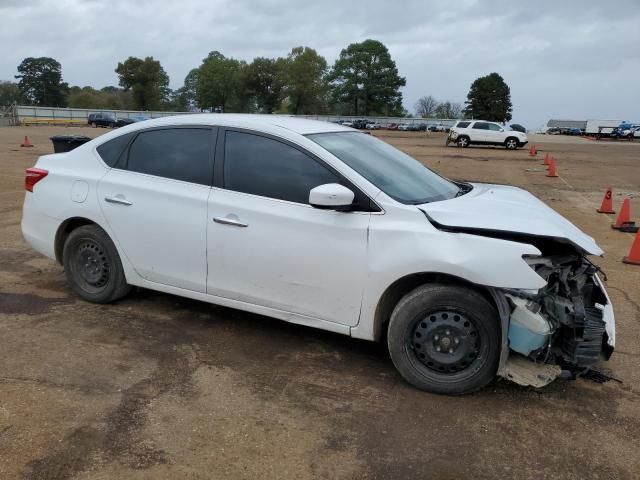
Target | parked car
(359,124)
(627,130)
(317,224)
(403,126)
(121,122)
(480,132)
(373,126)
(102,119)
(392,126)
(553,131)
(437,128)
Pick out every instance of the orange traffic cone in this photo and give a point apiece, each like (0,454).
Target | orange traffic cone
(607,202)
(26,142)
(532,151)
(552,168)
(634,254)
(546,159)
(623,222)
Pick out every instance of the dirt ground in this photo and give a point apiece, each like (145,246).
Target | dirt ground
(159,387)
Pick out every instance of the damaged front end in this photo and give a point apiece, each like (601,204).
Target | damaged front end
(563,328)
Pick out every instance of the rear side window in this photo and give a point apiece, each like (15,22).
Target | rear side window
(269,168)
(111,151)
(480,126)
(495,127)
(176,153)
(463,124)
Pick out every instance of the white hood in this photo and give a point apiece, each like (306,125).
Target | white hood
(508,209)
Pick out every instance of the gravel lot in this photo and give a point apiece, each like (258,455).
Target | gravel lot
(157,386)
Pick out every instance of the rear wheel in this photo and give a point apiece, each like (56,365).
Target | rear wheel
(463,141)
(92,265)
(445,339)
(94,124)
(511,143)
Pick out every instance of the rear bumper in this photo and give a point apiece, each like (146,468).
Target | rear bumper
(38,230)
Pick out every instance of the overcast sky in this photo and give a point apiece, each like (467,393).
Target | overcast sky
(562,59)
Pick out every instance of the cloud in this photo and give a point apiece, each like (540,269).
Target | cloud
(569,59)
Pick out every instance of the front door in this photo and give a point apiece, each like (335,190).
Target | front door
(480,132)
(267,246)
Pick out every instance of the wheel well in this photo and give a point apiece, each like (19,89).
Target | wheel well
(398,289)
(63,232)
(511,137)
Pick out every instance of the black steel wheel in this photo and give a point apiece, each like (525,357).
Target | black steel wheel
(445,339)
(92,265)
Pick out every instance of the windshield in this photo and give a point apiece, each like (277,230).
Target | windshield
(392,171)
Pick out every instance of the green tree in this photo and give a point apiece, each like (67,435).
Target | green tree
(365,79)
(146,79)
(489,98)
(86,97)
(117,98)
(189,91)
(305,80)
(216,80)
(41,82)
(265,79)
(9,94)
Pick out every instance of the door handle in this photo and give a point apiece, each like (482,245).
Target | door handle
(119,199)
(234,221)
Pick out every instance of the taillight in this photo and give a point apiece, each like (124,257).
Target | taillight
(33,176)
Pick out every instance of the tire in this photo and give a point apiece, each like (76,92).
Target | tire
(436,317)
(92,265)
(94,125)
(511,143)
(463,141)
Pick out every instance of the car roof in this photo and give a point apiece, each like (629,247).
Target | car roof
(267,122)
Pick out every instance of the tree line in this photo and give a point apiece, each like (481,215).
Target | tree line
(363,81)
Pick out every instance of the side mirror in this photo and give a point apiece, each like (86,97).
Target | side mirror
(331,196)
(502,129)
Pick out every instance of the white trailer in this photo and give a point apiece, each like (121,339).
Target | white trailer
(602,127)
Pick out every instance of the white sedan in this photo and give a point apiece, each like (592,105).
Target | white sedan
(318,224)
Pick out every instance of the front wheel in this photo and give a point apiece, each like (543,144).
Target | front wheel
(92,265)
(511,143)
(445,339)
(463,142)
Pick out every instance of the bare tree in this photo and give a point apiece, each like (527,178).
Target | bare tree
(426,106)
(456,110)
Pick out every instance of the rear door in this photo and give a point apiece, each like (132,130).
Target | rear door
(267,246)
(155,201)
